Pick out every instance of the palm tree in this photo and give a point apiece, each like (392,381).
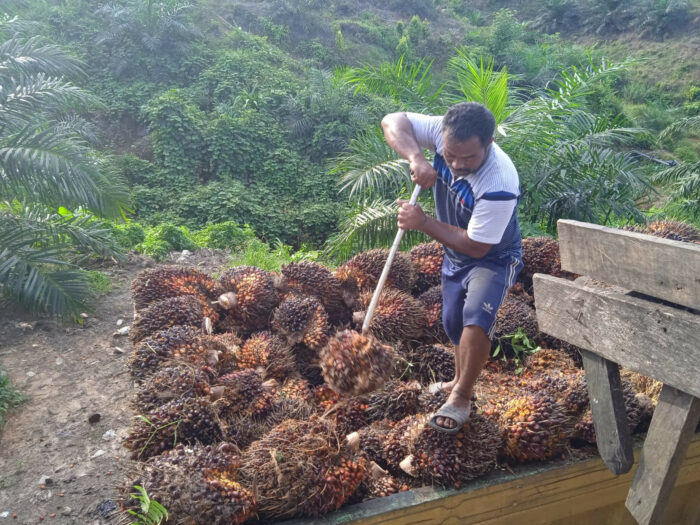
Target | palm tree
(51,182)
(570,161)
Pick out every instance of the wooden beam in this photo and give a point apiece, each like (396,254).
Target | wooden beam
(672,426)
(612,429)
(651,265)
(649,338)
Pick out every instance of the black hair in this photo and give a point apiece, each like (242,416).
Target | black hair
(469,119)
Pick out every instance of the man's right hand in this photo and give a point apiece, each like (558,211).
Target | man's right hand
(422,173)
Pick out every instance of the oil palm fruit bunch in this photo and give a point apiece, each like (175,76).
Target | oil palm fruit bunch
(229,347)
(397,316)
(354,364)
(535,427)
(242,393)
(371,440)
(550,360)
(177,380)
(183,343)
(154,285)
(451,460)
(378,483)
(433,363)
(518,291)
(541,255)
(432,301)
(308,278)
(301,468)
(188,420)
(307,364)
(348,415)
(267,351)
(301,320)
(324,396)
(512,315)
(674,230)
(642,384)
(399,439)
(185,310)
(250,294)
(197,485)
(397,400)
(427,261)
(362,272)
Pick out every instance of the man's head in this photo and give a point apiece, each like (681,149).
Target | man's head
(467,133)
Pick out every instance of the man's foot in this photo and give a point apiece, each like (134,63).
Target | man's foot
(442,386)
(459,409)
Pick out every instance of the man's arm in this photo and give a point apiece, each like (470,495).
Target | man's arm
(399,134)
(454,237)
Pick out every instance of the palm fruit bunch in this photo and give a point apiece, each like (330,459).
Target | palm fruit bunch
(229,345)
(301,468)
(348,415)
(451,460)
(311,279)
(371,440)
(535,427)
(184,310)
(377,484)
(353,364)
(307,363)
(550,360)
(432,401)
(188,420)
(398,441)
(433,363)
(267,351)
(242,393)
(541,255)
(196,485)
(154,285)
(297,388)
(674,230)
(249,294)
(325,397)
(362,272)
(183,343)
(432,301)
(642,384)
(397,316)
(518,291)
(514,314)
(397,400)
(427,261)
(301,320)
(175,381)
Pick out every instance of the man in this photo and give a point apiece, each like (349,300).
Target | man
(476,190)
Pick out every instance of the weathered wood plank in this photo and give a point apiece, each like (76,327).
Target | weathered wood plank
(672,426)
(609,416)
(649,338)
(658,267)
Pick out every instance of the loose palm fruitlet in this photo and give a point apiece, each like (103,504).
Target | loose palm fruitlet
(451,460)
(311,279)
(189,421)
(362,272)
(301,468)
(267,351)
(541,255)
(176,381)
(185,310)
(397,316)
(250,294)
(196,485)
(301,320)
(353,364)
(427,261)
(395,401)
(154,285)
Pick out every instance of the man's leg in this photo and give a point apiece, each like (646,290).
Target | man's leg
(470,357)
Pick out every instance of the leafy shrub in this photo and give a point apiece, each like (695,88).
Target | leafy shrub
(128,235)
(166,238)
(225,235)
(100,282)
(10,397)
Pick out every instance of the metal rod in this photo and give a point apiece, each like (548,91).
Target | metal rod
(387,266)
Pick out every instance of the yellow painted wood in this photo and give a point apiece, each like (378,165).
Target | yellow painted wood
(585,493)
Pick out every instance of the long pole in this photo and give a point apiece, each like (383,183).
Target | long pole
(387,266)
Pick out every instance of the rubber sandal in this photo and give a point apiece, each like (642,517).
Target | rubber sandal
(458,415)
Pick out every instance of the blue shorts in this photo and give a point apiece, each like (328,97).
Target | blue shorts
(472,294)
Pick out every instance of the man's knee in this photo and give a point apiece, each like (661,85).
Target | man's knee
(474,336)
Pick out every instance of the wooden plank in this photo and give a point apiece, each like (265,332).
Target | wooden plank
(654,266)
(649,338)
(567,494)
(612,430)
(672,426)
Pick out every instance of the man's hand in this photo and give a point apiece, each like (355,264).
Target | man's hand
(422,173)
(411,217)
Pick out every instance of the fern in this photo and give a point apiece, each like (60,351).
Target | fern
(152,512)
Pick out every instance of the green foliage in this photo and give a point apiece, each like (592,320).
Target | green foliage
(166,238)
(100,283)
(259,254)
(151,512)
(224,236)
(128,235)
(10,397)
(521,346)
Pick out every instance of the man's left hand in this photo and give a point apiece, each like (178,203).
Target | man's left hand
(411,217)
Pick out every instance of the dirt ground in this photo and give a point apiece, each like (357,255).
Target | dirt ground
(56,465)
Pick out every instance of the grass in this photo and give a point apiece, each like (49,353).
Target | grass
(261,255)
(10,397)
(100,283)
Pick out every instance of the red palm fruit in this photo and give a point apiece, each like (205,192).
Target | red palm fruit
(302,320)
(427,261)
(250,294)
(353,364)
(397,316)
(541,255)
(185,310)
(363,271)
(154,285)
(547,361)
(308,278)
(267,351)
(348,415)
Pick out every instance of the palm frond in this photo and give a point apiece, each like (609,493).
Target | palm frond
(681,127)
(30,56)
(683,179)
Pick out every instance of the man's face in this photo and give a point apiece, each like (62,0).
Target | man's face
(464,157)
